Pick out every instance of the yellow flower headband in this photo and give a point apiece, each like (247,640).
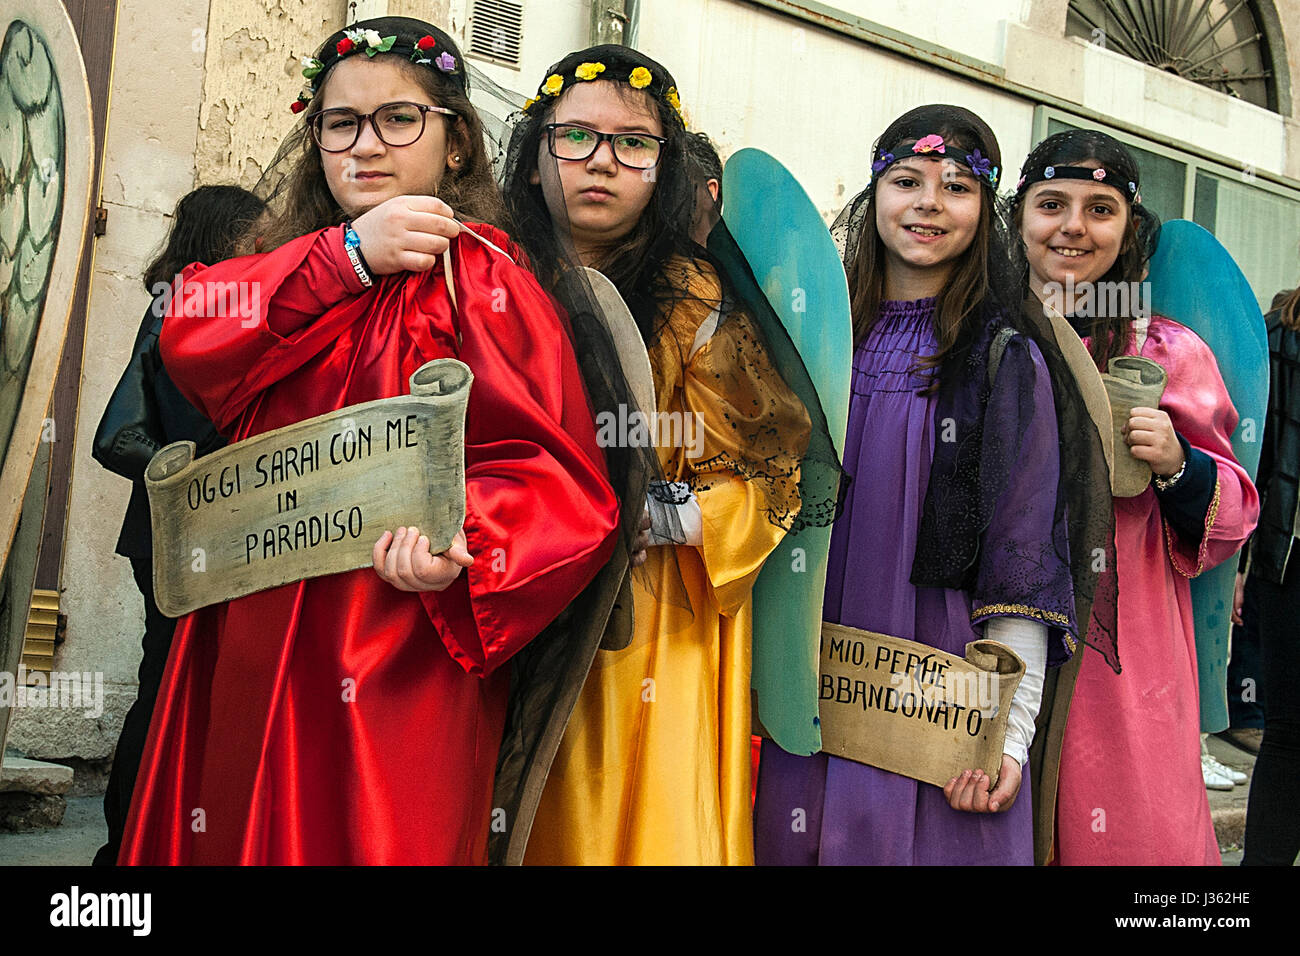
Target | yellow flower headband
(638,79)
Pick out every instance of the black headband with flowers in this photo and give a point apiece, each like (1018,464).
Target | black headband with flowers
(933,146)
(640,78)
(422,51)
(1128,188)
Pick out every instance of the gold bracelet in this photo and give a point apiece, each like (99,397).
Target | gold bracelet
(1164,484)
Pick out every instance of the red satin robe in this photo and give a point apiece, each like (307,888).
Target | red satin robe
(339,720)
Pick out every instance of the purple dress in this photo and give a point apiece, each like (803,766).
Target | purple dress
(852,813)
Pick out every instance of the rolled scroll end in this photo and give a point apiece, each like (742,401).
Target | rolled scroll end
(994,656)
(440,377)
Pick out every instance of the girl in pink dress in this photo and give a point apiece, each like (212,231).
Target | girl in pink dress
(1130,789)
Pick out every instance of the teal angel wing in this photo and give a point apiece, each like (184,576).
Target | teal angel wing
(796,265)
(1195,281)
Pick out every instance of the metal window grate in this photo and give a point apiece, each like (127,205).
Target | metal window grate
(496,30)
(1216,43)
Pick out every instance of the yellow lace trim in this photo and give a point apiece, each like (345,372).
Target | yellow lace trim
(1024,610)
(1205,536)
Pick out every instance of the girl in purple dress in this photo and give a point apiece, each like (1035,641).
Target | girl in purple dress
(954,525)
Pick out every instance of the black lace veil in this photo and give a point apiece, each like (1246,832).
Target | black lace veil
(662,273)
(969,475)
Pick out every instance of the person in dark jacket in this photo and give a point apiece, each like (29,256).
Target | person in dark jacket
(145,413)
(1273,812)
(1245,695)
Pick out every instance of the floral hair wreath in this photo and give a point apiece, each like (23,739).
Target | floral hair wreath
(370,42)
(1129,189)
(980,165)
(639,79)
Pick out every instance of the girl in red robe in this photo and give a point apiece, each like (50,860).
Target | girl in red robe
(356,718)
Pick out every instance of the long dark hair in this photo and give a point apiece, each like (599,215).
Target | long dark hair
(977,280)
(209,225)
(304,202)
(1109,336)
(636,263)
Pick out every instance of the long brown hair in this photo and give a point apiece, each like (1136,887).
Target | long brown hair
(1288,310)
(961,295)
(306,203)
(209,225)
(969,287)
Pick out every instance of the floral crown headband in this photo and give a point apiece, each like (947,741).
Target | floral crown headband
(422,51)
(933,145)
(640,78)
(1128,188)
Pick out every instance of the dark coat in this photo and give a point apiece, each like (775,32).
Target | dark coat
(146,412)
(1278,480)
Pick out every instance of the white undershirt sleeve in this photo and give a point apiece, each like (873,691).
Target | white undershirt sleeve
(1029,640)
(689,517)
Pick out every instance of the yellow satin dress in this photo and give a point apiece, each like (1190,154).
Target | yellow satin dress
(655,765)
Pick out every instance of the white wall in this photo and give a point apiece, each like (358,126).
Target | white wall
(814,99)
(974,28)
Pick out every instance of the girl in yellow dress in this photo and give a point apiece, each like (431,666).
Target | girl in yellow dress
(655,765)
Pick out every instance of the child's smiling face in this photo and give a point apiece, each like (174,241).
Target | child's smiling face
(927,214)
(1073,229)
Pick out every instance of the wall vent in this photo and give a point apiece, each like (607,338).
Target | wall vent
(496,31)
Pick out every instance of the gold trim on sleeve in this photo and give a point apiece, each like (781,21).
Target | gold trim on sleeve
(1022,610)
(1210,516)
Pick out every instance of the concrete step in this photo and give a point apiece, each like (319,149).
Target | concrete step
(32,793)
(21,775)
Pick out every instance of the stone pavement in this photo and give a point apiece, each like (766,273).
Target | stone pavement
(74,842)
(1228,807)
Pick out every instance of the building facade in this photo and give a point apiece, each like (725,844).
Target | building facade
(199,92)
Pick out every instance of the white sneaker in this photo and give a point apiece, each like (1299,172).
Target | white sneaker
(1222,769)
(1213,779)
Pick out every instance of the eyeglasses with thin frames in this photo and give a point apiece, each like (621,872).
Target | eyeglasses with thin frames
(573,141)
(337,130)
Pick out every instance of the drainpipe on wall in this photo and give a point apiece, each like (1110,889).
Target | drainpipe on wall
(614,21)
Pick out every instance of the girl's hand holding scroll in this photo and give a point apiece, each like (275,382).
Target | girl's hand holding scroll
(404,561)
(969,790)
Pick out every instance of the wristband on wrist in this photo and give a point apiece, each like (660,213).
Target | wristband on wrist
(352,246)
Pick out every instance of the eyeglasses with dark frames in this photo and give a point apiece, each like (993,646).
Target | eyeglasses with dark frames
(576,142)
(396,124)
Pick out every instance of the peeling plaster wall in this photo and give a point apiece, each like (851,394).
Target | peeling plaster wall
(252,74)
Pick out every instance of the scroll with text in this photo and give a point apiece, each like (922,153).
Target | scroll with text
(913,709)
(311,498)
